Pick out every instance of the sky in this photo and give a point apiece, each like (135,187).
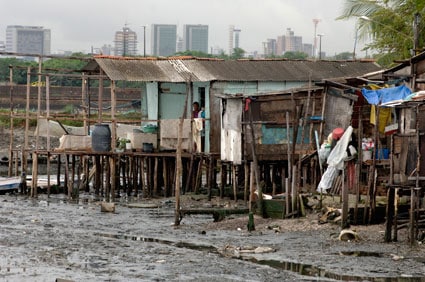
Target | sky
(79,25)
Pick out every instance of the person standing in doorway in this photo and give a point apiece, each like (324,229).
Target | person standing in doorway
(195,110)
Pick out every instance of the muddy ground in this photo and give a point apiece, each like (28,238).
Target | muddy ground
(45,239)
(48,238)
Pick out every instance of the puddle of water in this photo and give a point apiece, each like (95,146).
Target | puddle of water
(361,254)
(313,271)
(300,268)
(160,241)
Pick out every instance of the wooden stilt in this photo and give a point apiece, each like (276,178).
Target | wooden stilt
(155,177)
(222,179)
(198,182)
(251,186)
(273,178)
(235,183)
(210,177)
(97,177)
(246,182)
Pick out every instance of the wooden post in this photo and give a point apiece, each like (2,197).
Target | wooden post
(179,154)
(67,185)
(274,185)
(344,191)
(294,195)
(198,181)
(210,176)
(255,164)
(246,182)
(113,177)
(34,181)
(84,101)
(251,186)
(40,60)
(97,178)
(235,183)
(287,195)
(189,181)
(155,177)
(11,115)
(100,97)
(142,177)
(359,164)
(288,143)
(222,178)
(48,132)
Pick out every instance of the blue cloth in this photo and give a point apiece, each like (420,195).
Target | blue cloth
(385,95)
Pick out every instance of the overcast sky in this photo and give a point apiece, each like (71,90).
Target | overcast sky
(78,25)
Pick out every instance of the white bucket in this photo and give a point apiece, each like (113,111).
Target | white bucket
(366,155)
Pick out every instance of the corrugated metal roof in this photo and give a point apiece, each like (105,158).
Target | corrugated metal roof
(181,69)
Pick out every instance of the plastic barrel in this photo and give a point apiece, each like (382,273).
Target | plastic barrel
(101,138)
(148,147)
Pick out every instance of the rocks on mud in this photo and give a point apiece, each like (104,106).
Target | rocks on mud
(107,207)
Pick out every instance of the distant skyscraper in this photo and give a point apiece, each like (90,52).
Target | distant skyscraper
(237,32)
(292,42)
(179,46)
(164,39)
(280,45)
(270,47)
(231,44)
(28,39)
(233,39)
(2,46)
(308,49)
(125,42)
(195,38)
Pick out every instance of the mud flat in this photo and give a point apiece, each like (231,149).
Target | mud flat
(48,238)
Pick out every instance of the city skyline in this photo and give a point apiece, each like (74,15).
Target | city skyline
(95,25)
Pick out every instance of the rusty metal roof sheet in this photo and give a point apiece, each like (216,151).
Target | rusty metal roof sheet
(182,69)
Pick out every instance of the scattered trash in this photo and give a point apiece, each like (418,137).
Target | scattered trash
(330,215)
(237,252)
(396,257)
(107,207)
(348,235)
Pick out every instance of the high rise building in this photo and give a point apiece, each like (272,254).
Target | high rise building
(233,39)
(164,39)
(308,49)
(195,38)
(270,47)
(292,42)
(125,42)
(179,46)
(28,39)
(280,45)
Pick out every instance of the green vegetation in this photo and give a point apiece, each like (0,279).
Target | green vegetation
(389,24)
(17,122)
